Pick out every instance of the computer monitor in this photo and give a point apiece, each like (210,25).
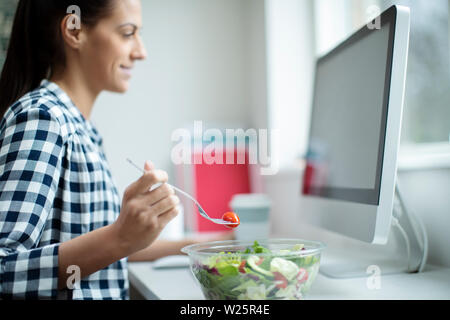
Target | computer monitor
(349,180)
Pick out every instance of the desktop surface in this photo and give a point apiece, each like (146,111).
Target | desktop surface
(179,284)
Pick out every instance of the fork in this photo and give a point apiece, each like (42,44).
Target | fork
(200,209)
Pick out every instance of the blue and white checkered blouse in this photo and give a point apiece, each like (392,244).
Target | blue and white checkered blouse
(55,185)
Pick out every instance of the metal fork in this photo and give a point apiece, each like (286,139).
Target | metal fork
(200,209)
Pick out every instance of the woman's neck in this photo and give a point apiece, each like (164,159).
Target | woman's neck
(78,89)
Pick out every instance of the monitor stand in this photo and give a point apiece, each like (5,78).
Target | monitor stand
(359,266)
(365,263)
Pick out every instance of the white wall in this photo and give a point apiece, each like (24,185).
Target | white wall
(336,20)
(256,60)
(290,64)
(197,69)
(427,192)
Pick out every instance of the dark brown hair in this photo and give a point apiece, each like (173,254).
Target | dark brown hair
(36,45)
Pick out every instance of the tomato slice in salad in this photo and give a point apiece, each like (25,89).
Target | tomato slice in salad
(231,217)
(242,265)
(302,275)
(280,280)
(260,261)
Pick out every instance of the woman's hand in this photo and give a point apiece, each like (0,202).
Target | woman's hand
(143,216)
(145,213)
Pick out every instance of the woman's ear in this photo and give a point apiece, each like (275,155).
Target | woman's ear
(71,31)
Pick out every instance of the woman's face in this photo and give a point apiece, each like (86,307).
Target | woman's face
(112,47)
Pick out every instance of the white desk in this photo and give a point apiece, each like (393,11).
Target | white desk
(179,284)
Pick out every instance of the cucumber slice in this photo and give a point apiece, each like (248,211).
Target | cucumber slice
(252,262)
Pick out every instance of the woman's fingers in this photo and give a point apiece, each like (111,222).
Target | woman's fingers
(156,195)
(165,205)
(167,216)
(149,166)
(144,183)
(145,213)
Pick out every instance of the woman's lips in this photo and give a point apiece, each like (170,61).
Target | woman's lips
(126,70)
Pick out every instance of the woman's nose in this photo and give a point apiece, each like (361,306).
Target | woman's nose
(139,53)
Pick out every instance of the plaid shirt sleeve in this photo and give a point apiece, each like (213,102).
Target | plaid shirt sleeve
(31,149)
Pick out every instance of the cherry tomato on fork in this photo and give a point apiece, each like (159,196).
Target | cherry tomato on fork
(232,217)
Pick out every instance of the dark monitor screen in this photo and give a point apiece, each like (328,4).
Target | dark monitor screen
(348,119)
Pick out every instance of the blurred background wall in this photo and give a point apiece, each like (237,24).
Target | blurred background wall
(206,62)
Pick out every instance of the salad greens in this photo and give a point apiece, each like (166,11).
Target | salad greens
(281,274)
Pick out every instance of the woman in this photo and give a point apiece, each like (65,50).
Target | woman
(59,208)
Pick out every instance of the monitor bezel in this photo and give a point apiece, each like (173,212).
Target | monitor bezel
(358,195)
(364,222)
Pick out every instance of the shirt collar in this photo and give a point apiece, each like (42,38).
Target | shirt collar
(62,96)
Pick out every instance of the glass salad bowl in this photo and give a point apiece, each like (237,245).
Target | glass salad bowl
(268,269)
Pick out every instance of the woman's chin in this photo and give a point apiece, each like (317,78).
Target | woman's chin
(121,87)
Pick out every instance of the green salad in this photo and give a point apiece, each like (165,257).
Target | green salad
(257,274)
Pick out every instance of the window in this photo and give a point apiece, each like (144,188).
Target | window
(426,116)
(427,104)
